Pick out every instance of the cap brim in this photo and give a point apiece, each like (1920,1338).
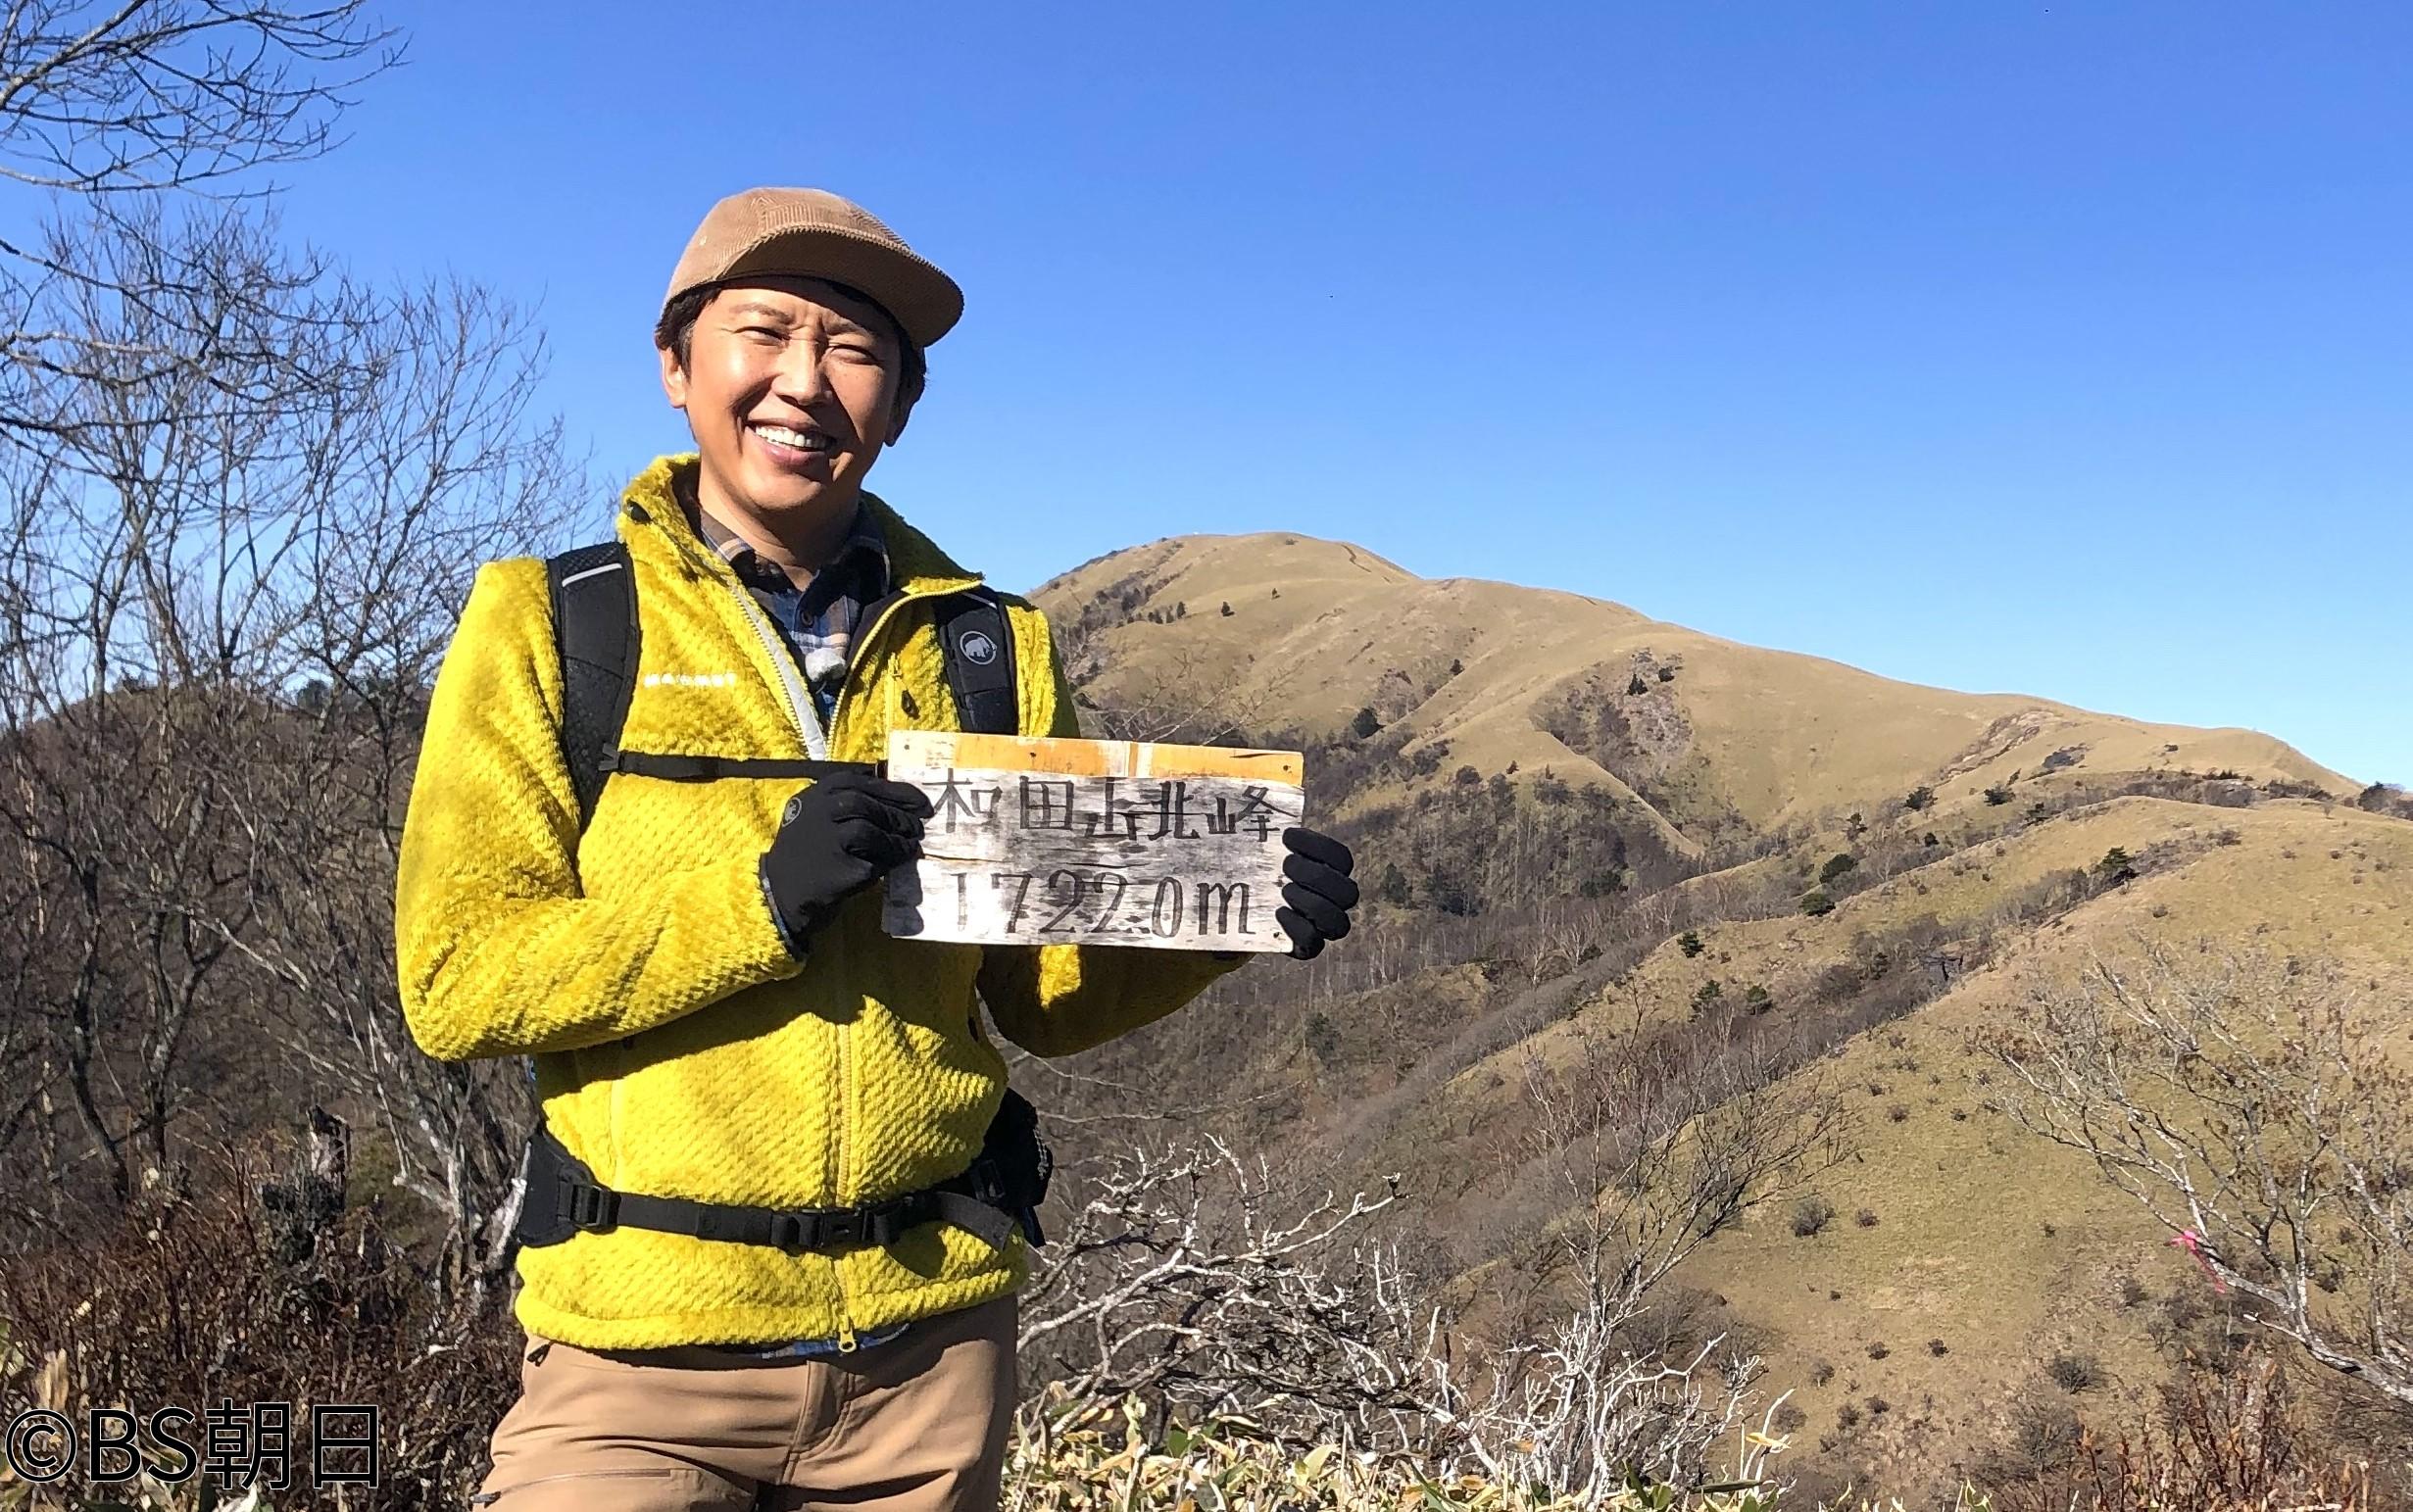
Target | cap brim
(923,300)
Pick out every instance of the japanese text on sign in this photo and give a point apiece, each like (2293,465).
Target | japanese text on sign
(1049,841)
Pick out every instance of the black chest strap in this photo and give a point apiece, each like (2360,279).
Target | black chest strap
(1001,1191)
(711,768)
(597,633)
(978,649)
(595,630)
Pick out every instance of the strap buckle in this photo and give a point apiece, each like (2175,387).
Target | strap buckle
(592,1208)
(988,1182)
(795,1232)
(799,1230)
(845,1228)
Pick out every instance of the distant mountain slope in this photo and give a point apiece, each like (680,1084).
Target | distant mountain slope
(1713,735)
(1813,924)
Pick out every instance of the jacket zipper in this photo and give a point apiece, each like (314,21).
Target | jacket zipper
(791,682)
(871,633)
(808,729)
(846,1054)
(795,699)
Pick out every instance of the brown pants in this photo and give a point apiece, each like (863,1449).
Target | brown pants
(914,1425)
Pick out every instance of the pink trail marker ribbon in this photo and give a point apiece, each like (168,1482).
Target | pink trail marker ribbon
(2187,1240)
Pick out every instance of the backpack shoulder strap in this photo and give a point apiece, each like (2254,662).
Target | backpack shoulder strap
(978,648)
(595,627)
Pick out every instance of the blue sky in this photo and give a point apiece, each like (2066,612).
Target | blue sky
(2061,350)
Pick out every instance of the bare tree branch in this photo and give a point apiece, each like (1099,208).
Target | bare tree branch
(2251,1106)
(232,563)
(1187,1277)
(136,95)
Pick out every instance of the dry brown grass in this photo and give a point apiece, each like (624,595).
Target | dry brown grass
(1771,736)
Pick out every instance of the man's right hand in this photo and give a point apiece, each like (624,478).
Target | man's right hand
(835,839)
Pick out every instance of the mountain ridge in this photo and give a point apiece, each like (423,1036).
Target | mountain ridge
(1716,736)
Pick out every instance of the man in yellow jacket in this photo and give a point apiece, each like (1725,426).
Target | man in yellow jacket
(718,1025)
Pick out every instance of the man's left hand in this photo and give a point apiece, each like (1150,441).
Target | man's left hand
(1318,894)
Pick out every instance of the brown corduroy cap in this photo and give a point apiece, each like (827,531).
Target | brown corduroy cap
(813,234)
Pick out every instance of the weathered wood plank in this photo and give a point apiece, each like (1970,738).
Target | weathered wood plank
(932,750)
(1060,841)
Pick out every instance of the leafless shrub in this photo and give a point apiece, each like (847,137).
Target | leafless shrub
(185,1299)
(1177,1280)
(231,562)
(2235,1442)
(1176,1283)
(2042,1441)
(2251,1106)
(2074,1373)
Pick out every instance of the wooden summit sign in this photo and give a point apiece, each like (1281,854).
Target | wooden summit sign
(1091,842)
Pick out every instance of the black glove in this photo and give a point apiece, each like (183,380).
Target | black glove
(1319,893)
(835,839)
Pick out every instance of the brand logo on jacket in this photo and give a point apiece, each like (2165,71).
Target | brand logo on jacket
(977,648)
(691,679)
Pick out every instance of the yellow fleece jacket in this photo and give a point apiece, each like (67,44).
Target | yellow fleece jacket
(680,1049)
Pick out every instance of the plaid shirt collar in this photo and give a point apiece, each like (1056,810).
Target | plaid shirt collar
(858,569)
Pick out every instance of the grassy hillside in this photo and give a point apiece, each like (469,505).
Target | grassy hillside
(1718,736)
(2011,1251)
(1974,1287)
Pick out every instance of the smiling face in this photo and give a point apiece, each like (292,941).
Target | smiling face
(791,387)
